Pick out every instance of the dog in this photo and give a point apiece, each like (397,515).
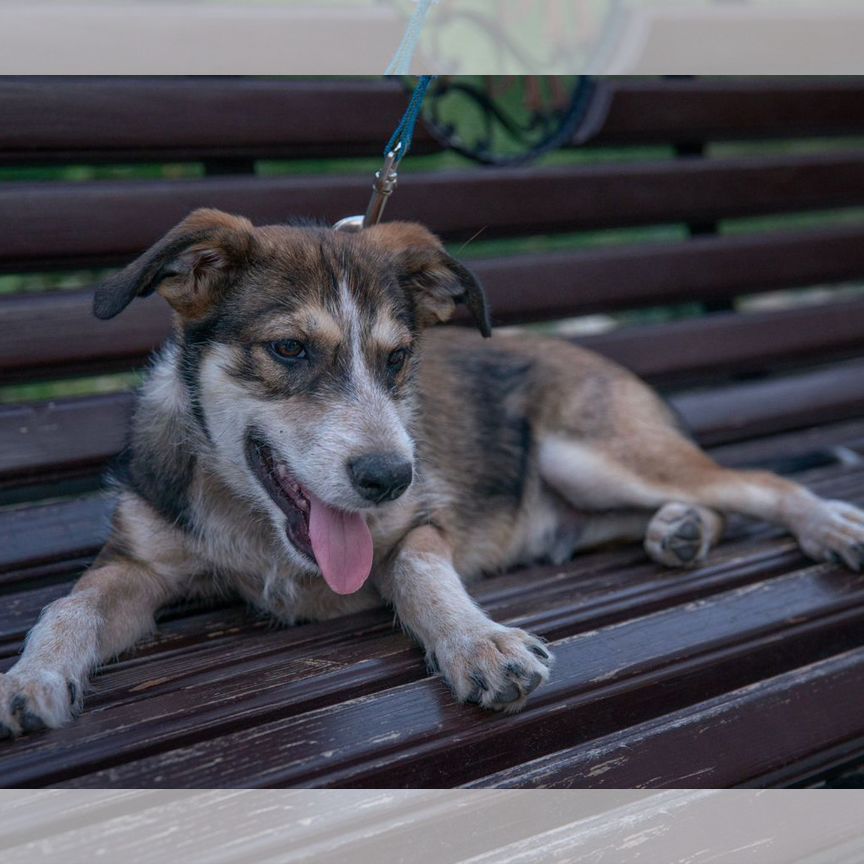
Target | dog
(309,440)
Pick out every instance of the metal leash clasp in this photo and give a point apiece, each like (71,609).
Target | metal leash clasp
(382,189)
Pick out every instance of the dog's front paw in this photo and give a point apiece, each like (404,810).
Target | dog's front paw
(834,532)
(497,667)
(34,700)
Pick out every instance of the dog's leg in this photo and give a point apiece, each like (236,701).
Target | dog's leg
(664,468)
(483,662)
(108,610)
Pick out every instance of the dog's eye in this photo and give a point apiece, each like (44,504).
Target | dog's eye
(397,359)
(288,350)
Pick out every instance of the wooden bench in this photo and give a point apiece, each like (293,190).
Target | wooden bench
(747,671)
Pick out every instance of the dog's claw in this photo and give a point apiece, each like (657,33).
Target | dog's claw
(508,694)
(533,682)
(479,682)
(539,651)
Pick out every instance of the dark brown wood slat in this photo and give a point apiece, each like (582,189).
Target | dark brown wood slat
(63,120)
(58,224)
(835,440)
(652,111)
(95,120)
(53,441)
(56,334)
(413,734)
(557,285)
(729,343)
(738,412)
(51,539)
(740,738)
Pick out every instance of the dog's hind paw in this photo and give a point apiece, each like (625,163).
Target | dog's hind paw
(31,701)
(497,668)
(835,533)
(681,535)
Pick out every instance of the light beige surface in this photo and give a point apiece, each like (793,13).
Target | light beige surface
(431,827)
(283,37)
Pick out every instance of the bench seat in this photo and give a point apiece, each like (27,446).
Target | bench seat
(650,661)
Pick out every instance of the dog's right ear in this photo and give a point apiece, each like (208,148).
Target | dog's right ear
(190,266)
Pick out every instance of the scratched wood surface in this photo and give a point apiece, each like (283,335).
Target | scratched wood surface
(747,671)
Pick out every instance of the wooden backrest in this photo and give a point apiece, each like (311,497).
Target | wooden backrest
(682,185)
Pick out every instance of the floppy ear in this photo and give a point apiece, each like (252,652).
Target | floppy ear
(189,266)
(435,280)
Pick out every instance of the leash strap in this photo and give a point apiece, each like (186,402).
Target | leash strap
(396,150)
(400,142)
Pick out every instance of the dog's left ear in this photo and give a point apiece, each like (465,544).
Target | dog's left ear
(190,266)
(435,280)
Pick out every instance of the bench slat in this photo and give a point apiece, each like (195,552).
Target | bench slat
(40,541)
(711,735)
(57,334)
(737,412)
(713,346)
(85,224)
(654,111)
(88,120)
(77,120)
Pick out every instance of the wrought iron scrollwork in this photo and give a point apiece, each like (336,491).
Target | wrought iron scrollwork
(509,120)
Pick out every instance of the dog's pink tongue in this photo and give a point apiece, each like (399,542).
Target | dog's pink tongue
(342,545)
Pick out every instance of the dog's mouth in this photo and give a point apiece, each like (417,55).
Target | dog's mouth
(337,541)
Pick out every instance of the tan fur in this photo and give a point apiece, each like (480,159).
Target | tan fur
(523,448)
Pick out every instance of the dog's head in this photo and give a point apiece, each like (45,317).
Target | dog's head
(298,352)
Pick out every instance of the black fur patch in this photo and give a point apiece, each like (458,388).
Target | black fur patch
(195,338)
(495,384)
(160,479)
(160,475)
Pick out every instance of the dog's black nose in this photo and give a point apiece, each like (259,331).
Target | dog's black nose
(380,477)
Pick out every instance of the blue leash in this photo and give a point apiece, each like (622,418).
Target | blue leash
(400,142)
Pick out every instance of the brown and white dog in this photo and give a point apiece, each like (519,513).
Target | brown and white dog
(305,441)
